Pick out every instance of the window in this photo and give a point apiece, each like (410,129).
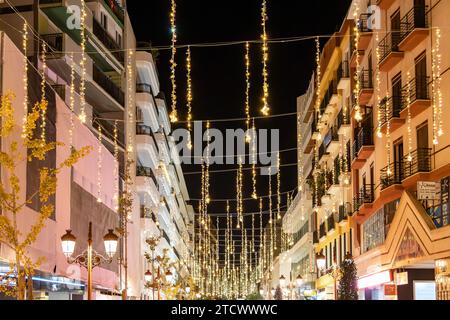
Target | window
(374,231)
(104,21)
(119,38)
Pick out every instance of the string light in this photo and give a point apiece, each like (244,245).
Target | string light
(82,115)
(388,134)
(318,81)
(254,161)
(248,137)
(116,165)
(173,64)
(378,86)
(207,174)
(131,107)
(99,164)
(408,106)
(239,186)
(44,103)
(265,52)
(25,78)
(358,114)
(278,187)
(189,97)
(438,130)
(261,236)
(300,154)
(72,98)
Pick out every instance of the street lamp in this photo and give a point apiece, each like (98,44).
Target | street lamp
(89,259)
(169,276)
(321,261)
(299,281)
(148,277)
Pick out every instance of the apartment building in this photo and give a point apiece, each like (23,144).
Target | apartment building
(160,205)
(400,163)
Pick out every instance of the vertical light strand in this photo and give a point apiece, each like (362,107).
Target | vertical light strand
(318,83)
(131,107)
(82,116)
(409,118)
(116,165)
(44,103)
(271,221)
(300,154)
(173,64)
(278,187)
(254,160)
(265,110)
(261,240)
(189,97)
(248,136)
(439,82)
(25,78)
(72,99)
(358,114)
(99,164)
(208,163)
(388,134)
(378,86)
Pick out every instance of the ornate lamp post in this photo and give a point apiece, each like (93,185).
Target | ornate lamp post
(89,259)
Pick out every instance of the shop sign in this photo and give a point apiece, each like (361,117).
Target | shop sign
(427,190)
(390,290)
(401,278)
(375,280)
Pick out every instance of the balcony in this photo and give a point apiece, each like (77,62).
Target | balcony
(146,183)
(331,141)
(419,97)
(108,41)
(108,85)
(419,161)
(363,147)
(390,112)
(116,8)
(390,53)
(343,75)
(365,31)
(392,175)
(344,127)
(414,28)
(366,82)
(345,211)
(55,42)
(364,199)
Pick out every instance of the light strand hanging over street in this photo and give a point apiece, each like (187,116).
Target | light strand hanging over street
(265,110)
(173,64)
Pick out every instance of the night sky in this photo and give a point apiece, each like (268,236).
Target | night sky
(218,73)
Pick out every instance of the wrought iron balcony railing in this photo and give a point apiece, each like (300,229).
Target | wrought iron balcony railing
(364,138)
(366,79)
(418,90)
(366,195)
(389,44)
(142,171)
(108,41)
(390,108)
(108,85)
(416,18)
(392,175)
(343,72)
(418,161)
(345,211)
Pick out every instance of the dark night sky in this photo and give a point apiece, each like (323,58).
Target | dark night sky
(218,73)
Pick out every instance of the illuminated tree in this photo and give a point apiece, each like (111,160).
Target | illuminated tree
(348,284)
(18,149)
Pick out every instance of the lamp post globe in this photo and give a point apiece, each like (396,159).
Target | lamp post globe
(321,261)
(111,240)
(148,277)
(68,242)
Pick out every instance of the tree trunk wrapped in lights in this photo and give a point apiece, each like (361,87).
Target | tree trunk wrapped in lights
(348,284)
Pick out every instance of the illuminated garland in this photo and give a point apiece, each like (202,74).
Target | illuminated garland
(436,87)
(378,86)
(254,161)
(82,115)
(248,137)
(300,154)
(72,99)
(358,115)
(116,165)
(189,97)
(408,106)
(278,187)
(261,238)
(173,64)
(131,109)
(25,78)
(207,174)
(388,135)
(318,83)
(44,103)
(265,52)
(99,165)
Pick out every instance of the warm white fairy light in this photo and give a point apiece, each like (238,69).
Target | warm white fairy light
(173,64)
(318,83)
(240,207)
(265,110)
(189,97)
(440,129)
(388,134)
(43,93)
(248,137)
(409,118)
(358,114)
(82,116)
(300,154)
(25,78)
(116,165)
(72,99)
(278,186)
(99,164)
(254,160)
(208,163)
(131,107)
(378,86)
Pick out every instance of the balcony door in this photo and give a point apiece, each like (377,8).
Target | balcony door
(422,147)
(398,161)
(395,30)
(419,14)
(397,95)
(421,76)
